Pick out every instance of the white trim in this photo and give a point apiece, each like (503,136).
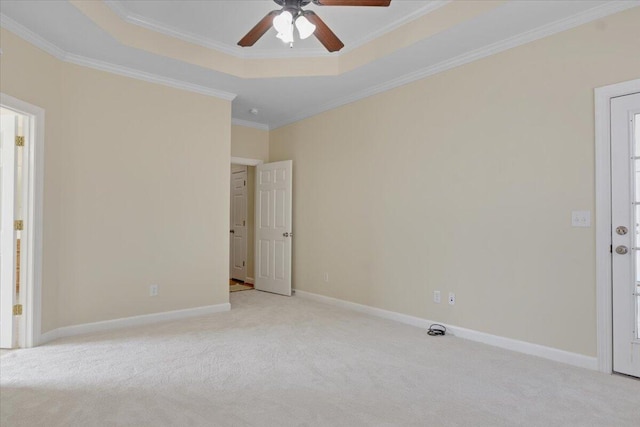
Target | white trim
(592,14)
(55,51)
(249,124)
(550,353)
(120,9)
(238,52)
(127,322)
(31,37)
(492,49)
(33,220)
(604,308)
(147,77)
(427,8)
(245,161)
(250,280)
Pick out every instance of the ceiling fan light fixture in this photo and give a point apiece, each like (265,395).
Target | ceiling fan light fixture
(282,23)
(286,38)
(305,28)
(306,21)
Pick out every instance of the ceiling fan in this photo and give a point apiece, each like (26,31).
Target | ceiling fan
(306,22)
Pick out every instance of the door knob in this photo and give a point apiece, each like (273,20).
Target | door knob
(232,231)
(621,250)
(285,234)
(622,230)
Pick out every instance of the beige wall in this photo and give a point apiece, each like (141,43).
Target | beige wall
(249,143)
(465,182)
(132,195)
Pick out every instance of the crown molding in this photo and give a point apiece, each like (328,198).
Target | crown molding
(33,38)
(492,49)
(189,37)
(428,8)
(120,9)
(529,36)
(148,77)
(249,124)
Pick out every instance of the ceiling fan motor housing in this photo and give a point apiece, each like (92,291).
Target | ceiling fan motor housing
(292,6)
(297,4)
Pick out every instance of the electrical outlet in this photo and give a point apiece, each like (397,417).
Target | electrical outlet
(581,218)
(436,297)
(326,277)
(153,290)
(452,298)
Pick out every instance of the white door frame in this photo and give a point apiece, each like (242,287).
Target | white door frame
(246,162)
(604,279)
(245,173)
(31,318)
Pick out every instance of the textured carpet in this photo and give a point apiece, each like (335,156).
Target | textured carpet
(296,362)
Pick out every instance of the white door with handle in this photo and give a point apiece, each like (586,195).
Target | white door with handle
(8,128)
(625,232)
(273,227)
(238,234)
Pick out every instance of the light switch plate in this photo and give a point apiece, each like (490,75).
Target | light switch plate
(581,218)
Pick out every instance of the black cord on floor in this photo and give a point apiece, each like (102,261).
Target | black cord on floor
(437,330)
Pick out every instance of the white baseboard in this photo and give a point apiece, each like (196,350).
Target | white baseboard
(126,322)
(250,280)
(550,353)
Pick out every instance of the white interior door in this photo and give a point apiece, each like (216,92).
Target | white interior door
(8,126)
(625,215)
(273,227)
(238,231)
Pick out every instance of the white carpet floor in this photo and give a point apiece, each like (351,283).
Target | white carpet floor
(278,361)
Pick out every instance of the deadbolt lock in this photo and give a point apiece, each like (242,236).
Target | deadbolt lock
(621,250)
(622,230)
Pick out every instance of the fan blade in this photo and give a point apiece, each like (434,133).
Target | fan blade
(259,30)
(383,3)
(324,33)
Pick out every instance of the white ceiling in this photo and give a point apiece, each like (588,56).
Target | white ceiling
(220,24)
(64,31)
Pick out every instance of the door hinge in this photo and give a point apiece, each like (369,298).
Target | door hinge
(245,182)
(17,225)
(244,222)
(19,141)
(243,263)
(17,310)
(610,249)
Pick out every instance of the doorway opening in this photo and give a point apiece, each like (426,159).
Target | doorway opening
(21,184)
(13,129)
(241,227)
(270,254)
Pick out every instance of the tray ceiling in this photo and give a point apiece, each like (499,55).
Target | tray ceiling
(384,47)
